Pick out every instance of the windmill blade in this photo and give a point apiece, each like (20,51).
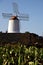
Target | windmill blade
(7,15)
(23,17)
(15,8)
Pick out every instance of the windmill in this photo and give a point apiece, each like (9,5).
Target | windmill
(13,25)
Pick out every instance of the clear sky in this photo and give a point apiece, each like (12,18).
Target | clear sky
(33,7)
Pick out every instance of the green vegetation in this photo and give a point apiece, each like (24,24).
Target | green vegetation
(20,55)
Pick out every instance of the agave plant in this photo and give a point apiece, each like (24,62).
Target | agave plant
(20,55)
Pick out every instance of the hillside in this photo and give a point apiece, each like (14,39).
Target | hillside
(23,38)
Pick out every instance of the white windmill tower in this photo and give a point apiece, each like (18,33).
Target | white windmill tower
(13,25)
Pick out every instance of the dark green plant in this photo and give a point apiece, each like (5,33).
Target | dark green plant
(20,55)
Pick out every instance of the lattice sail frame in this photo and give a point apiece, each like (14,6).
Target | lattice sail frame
(20,16)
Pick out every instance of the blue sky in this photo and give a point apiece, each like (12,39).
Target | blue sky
(33,7)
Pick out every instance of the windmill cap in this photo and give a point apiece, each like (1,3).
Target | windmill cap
(14,18)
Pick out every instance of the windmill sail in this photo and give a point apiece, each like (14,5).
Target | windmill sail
(7,15)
